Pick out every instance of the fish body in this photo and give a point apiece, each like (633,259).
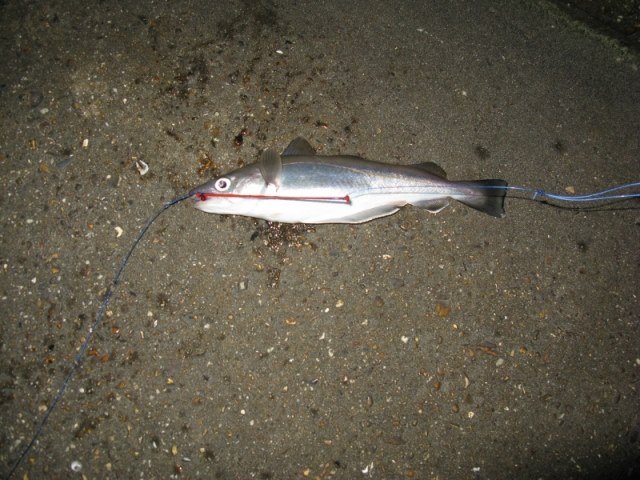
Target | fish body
(302,187)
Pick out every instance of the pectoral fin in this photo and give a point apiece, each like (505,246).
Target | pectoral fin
(299,146)
(270,165)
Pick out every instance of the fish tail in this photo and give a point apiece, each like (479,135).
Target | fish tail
(485,195)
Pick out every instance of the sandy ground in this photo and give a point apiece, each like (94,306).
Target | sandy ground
(415,346)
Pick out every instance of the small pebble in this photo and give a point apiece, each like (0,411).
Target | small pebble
(35,98)
(442,310)
(499,362)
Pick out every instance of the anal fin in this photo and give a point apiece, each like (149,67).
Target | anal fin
(433,206)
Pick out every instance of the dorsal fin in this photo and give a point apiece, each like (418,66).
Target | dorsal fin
(298,146)
(432,168)
(270,165)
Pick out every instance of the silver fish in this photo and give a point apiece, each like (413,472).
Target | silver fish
(302,187)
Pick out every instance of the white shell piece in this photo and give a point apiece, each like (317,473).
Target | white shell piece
(142,167)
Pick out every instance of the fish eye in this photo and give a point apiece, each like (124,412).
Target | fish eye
(222,184)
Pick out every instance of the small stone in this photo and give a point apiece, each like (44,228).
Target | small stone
(394,440)
(442,310)
(499,362)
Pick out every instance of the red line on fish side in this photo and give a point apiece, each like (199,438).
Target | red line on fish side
(202,196)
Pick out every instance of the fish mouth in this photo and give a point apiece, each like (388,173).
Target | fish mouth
(197,194)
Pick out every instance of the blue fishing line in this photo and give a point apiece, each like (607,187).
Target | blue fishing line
(602,195)
(79,358)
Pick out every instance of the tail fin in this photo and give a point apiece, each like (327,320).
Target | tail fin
(486,196)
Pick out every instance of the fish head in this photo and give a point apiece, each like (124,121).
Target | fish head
(235,193)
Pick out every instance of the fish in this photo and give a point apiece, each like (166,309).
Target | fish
(300,186)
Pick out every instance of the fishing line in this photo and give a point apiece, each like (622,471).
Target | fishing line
(79,358)
(607,194)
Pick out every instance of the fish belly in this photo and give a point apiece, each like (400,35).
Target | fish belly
(358,210)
